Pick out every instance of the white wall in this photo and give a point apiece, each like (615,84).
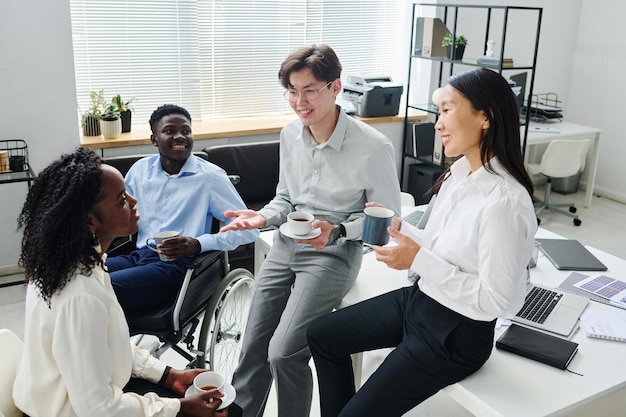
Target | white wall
(38,93)
(597,89)
(38,101)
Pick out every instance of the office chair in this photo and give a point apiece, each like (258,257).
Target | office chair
(257,166)
(562,158)
(212,299)
(12,348)
(407,200)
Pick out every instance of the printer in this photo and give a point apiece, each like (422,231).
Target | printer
(373,96)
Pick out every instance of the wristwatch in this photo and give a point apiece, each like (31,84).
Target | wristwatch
(337,235)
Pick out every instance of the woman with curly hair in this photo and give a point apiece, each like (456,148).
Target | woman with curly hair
(78,358)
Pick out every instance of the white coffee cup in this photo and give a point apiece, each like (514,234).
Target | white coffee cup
(300,222)
(158,238)
(209,380)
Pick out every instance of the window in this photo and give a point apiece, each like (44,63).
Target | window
(220,58)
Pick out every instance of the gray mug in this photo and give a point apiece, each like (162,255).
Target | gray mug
(158,238)
(377,220)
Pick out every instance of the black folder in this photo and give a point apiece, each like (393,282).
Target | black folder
(539,346)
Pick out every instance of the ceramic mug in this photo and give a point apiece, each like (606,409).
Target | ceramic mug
(377,220)
(158,238)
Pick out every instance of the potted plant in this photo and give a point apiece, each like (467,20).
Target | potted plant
(110,122)
(125,111)
(460,42)
(90,121)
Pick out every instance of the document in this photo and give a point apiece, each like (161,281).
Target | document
(604,324)
(570,285)
(610,289)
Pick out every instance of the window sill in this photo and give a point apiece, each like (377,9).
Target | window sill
(227,127)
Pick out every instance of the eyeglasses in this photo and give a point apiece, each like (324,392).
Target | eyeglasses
(309,94)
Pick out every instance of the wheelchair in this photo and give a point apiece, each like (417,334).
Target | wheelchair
(212,298)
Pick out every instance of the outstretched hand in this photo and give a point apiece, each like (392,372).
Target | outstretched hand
(398,256)
(243,220)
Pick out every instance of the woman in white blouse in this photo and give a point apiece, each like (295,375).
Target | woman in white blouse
(78,357)
(471,259)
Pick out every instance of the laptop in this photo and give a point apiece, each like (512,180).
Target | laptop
(550,310)
(419,218)
(570,255)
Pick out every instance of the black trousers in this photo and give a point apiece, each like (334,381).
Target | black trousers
(434,347)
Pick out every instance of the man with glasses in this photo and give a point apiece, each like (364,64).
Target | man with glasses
(330,166)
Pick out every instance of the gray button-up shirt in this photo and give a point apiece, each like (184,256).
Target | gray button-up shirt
(334,180)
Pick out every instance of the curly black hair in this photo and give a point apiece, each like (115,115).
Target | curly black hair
(166,110)
(56,239)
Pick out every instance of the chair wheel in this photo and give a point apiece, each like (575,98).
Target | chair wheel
(577,222)
(572,209)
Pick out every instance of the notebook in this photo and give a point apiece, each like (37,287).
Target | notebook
(570,255)
(541,347)
(550,309)
(419,218)
(604,324)
(573,278)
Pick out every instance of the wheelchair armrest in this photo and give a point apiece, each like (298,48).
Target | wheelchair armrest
(201,260)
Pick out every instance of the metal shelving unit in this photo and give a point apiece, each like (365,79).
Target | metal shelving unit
(451,15)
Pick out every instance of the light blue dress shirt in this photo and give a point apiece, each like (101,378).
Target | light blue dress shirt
(186,202)
(334,180)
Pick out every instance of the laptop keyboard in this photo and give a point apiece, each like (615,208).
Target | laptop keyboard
(539,304)
(414,218)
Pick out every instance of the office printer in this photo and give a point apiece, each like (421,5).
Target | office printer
(373,96)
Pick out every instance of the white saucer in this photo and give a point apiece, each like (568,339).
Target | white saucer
(284,229)
(227,399)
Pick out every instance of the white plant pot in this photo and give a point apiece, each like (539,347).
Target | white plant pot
(111,129)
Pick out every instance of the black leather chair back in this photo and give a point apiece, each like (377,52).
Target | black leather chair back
(256,164)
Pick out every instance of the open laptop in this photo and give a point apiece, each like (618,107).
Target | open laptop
(550,309)
(419,218)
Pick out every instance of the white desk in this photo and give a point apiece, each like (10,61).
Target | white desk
(568,131)
(509,385)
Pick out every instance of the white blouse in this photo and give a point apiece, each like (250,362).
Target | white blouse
(78,356)
(477,243)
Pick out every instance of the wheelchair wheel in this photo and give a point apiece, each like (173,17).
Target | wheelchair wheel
(224,323)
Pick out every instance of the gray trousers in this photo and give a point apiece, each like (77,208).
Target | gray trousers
(295,285)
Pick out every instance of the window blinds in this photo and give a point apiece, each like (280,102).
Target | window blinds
(219,58)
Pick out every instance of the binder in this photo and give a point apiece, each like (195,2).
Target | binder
(538,346)
(420,139)
(429,33)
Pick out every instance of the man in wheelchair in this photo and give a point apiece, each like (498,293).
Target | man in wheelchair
(177,191)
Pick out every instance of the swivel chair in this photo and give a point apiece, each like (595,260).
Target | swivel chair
(212,298)
(562,158)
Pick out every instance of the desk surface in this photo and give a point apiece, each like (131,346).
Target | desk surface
(510,385)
